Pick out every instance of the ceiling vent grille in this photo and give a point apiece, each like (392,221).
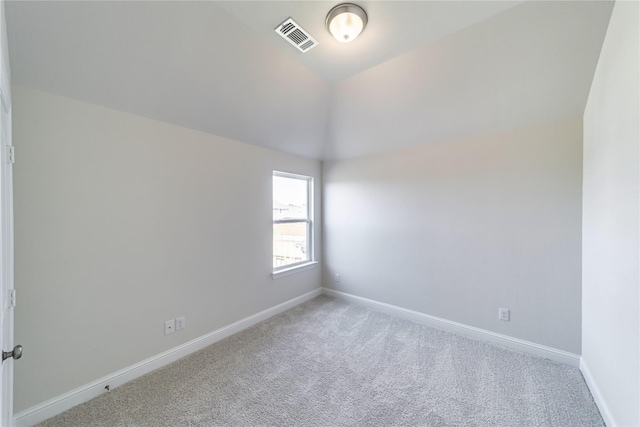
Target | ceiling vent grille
(296,35)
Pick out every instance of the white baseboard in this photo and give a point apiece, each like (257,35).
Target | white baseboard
(82,394)
(597,395)
(460,328)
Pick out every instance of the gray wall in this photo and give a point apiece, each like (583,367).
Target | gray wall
(122,223)
(459,229)
(611,216)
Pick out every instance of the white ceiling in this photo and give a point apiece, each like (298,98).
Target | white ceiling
(395,27)
(422,71)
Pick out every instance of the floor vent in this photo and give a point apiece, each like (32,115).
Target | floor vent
(294,34)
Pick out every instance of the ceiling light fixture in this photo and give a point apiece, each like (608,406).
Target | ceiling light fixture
(346,21)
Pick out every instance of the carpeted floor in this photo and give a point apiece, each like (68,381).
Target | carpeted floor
(331,363)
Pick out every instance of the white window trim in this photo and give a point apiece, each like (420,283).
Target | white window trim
(303,265)
(292,269)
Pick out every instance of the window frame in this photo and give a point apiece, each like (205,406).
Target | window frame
(309,220)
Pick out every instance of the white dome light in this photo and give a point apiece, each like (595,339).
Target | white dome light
(346,21)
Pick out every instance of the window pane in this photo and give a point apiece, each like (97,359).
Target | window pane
(290,198)
(291,220)
(289,243)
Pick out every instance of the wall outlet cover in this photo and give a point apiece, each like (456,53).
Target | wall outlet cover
(181,323)
(169,326)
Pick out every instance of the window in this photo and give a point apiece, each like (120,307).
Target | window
(292,220)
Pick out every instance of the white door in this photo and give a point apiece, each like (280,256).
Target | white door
(7,292)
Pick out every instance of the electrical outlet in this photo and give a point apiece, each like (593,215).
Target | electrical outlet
(503,314)
(337,277)
(169,326)
(181,323)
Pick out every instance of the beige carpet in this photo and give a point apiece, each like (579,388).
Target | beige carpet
(331,363)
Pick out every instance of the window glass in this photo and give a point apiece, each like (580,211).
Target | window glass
(292,229)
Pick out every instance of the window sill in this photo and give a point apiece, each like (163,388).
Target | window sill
(292,270)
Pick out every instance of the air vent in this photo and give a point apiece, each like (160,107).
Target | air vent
(294,34)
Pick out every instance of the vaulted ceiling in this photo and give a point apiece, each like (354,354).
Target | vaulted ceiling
(421,72)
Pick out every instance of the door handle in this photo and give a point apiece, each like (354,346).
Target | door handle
(16,353)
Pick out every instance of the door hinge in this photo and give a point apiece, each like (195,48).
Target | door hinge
(12,298)
(11,158)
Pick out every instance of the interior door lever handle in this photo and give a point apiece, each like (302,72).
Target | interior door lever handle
(16,353)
